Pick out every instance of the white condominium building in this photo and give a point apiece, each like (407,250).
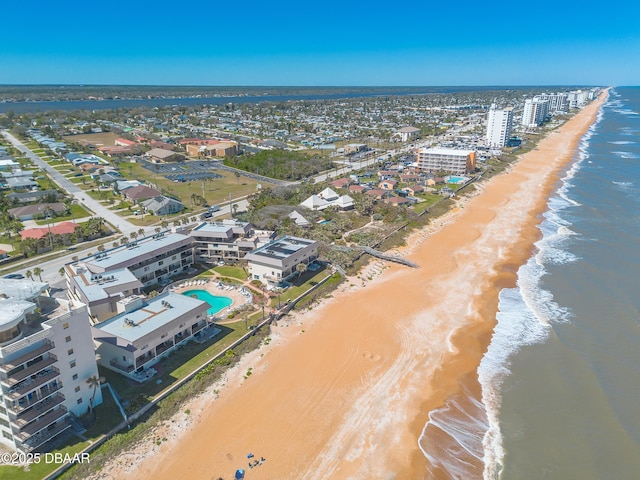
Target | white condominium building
(446,160)
(534,112)
(499,123)
(46,359)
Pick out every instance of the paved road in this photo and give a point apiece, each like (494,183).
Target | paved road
(96,207)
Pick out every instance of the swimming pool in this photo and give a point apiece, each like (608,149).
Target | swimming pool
(216,303)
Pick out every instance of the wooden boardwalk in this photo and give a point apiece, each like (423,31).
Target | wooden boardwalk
(385,256)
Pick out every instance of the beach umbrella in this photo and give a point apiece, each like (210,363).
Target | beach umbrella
(239,474)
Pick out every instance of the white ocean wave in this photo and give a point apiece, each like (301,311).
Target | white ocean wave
(623,142)
(622,184)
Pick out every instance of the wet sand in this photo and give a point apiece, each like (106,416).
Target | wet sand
(343,391)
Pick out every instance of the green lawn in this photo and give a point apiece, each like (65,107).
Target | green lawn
(229,271)
(216,191)
(176,366)
(299,285)
(77,211)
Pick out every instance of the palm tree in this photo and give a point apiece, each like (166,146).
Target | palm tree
(94,382)
(141,232)
(29,274)
(133,235)
(38,271)
(301,268)
(61,271)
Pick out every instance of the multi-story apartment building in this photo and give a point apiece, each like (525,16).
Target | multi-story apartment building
(229,240)
(146,330)
(101,280)
(275,261)
(535,112)
(499,123)
(46,360)
(446,160)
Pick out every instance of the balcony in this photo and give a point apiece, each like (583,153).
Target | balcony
(196,327)
(42,422)
(16,362)
(25,387)
(20,375)
(23,403)
(44,436)
(119,366)
(27,415)
(163,347)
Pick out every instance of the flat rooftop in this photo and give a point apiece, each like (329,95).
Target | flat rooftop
(282,248)
(154,314)
(98,286)
(127,254)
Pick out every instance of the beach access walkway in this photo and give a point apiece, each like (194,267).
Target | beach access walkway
(386,256)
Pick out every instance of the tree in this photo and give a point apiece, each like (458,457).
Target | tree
(101,248)
(237,174)
(133,235)
(301,268)
(94,382)
(29,274)
(141,232)
(38,271)
(61,271)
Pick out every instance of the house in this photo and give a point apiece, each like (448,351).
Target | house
(413,189)
(64,229)
(34,196)
(163,145)
(354,148)
(410,178)
(328,195)
(434,181)
(387,174)
(123,185)
(343,182)
(162,205)
(397,201)
(276,261)
(160,155)
(20,183)
(299,219)
(145,330)
(345,202)
(139,193)
(123,142)
(356,188)
(377,193)
(29,211)
(314,202)
(387,184)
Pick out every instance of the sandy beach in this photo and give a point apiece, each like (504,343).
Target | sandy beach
(344,390)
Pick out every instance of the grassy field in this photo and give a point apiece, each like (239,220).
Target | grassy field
(215,192)
(233,272)
(99,139)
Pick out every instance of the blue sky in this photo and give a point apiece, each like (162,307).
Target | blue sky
(319,43)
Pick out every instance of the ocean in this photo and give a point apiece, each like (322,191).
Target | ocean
(560,381)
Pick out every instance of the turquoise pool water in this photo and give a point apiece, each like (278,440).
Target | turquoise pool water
(217,303)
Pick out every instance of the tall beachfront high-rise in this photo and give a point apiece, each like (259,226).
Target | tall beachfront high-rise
(499,125)
(46,361)
(535,111)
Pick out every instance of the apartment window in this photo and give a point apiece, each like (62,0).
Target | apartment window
(70,351)
(75,376)
(65,325)
(77,389)
(67,339)
(7,435)
(160,262)
(72,364)
(79,401)
(4,423)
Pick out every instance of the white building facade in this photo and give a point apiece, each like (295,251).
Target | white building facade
(46,359)
(499,123)
(274,262)
(447,160)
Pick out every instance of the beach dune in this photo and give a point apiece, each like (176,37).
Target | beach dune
(343,391)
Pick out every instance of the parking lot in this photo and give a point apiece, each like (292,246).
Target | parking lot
(185,171)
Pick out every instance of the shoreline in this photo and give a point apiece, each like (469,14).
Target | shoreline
(348,396)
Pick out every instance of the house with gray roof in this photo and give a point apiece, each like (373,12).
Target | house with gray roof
(162,205)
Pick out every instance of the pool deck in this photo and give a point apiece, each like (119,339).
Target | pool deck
(212,287)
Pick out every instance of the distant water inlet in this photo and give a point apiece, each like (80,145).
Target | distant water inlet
(216,303)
